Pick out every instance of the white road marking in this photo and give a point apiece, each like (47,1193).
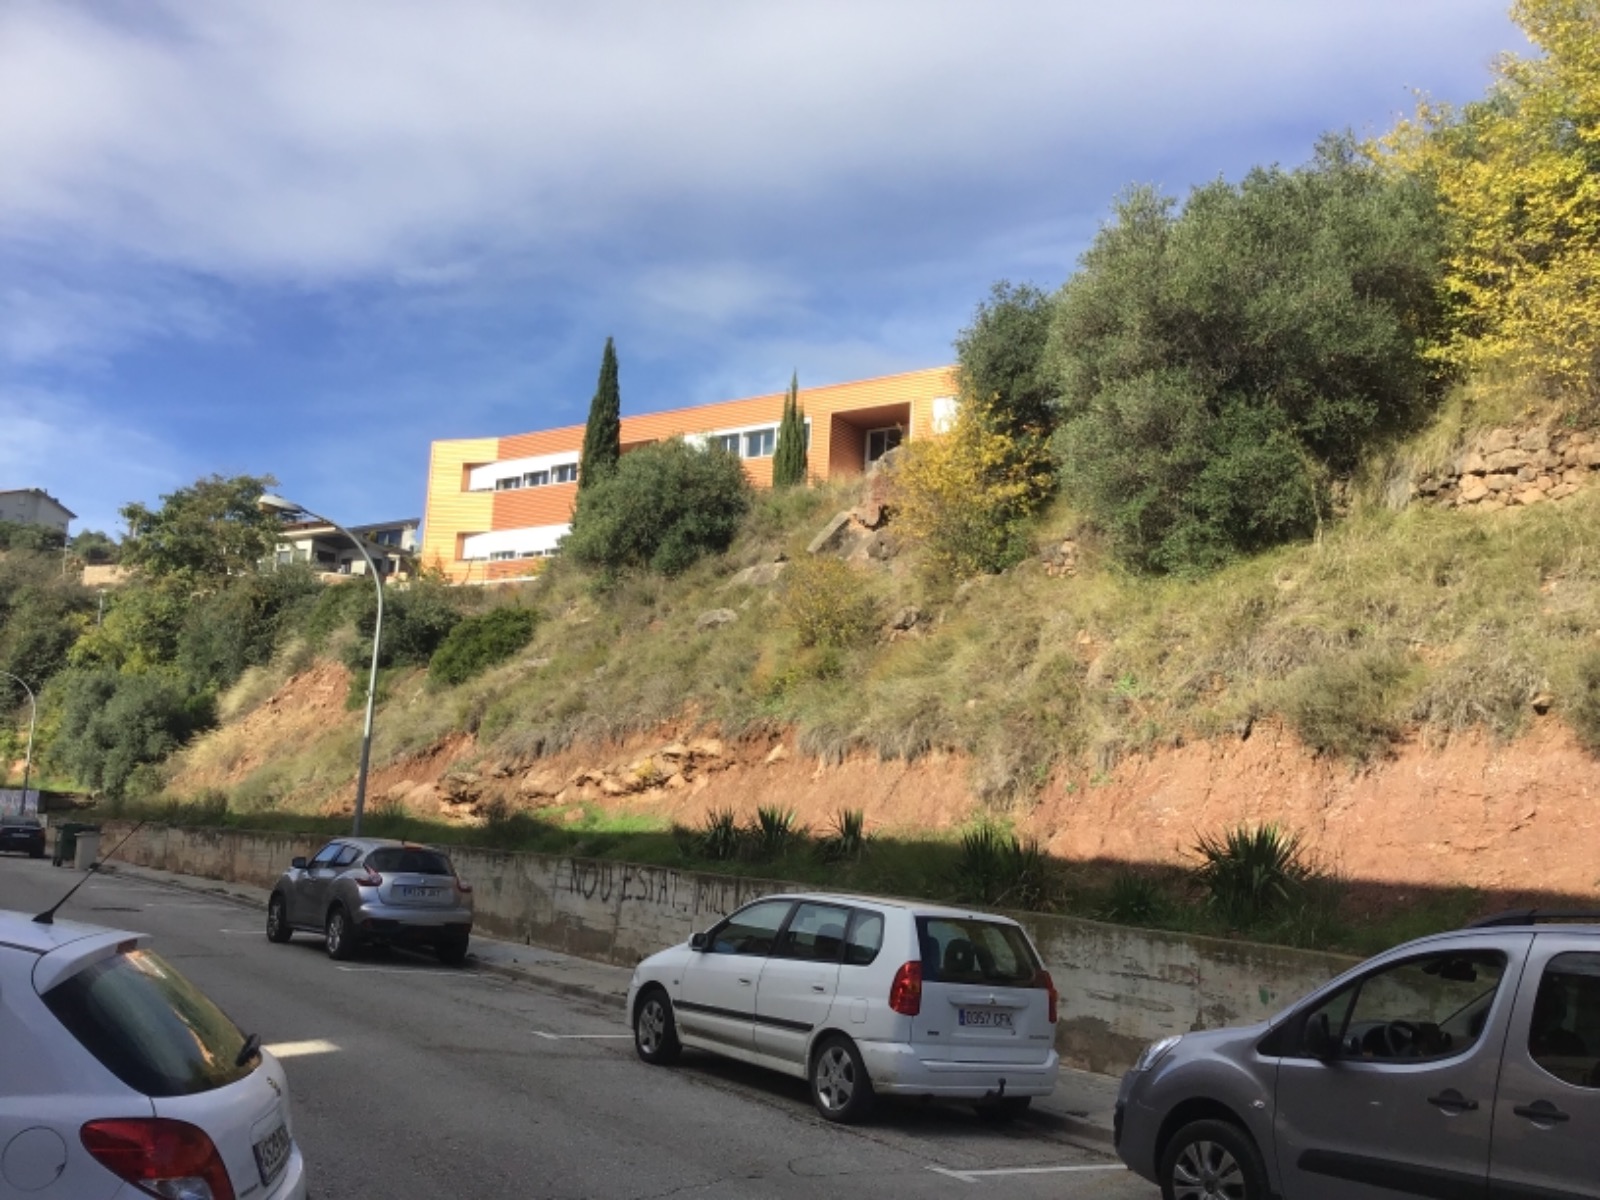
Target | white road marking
(243,932)
(581,1037)
(434,973)
(298,1049)
(978,1176)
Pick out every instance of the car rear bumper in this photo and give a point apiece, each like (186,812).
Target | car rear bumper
(394,923)
(897,1068)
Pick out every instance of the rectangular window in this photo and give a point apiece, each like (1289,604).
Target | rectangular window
(815,933)
(508,485)
(501,555)
(758,443)
(972,950)
(565,473)
(881,441)
(726,441)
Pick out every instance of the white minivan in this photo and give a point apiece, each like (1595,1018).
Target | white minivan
(861,997)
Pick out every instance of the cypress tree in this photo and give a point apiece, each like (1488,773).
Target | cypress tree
(602,436)
(789,456)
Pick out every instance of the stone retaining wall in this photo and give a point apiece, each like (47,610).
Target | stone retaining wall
(1505,468)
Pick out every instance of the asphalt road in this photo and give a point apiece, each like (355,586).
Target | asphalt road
(409,1079)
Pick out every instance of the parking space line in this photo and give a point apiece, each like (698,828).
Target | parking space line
(979,1176)
(582,1037)
(436,973)
(299,1049)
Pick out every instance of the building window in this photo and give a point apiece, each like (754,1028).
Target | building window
(501,555)
(881,441)
(728,442)
(758,443)
(565,473)
(507,485)
(536,479)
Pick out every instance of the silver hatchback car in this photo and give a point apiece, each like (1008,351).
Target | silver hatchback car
(359,891)
(1466,1064)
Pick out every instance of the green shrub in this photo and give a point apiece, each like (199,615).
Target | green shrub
(1583,711)
(416,621)
(720,836)
(826,602)
(112,723)
(997,868)
(1251,874)
(846,837)
(775,831)
(1347,705)
(238,625)
(663,508)
(478,643)
(1134,899)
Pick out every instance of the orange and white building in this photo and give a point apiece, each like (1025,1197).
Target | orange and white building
(494,502)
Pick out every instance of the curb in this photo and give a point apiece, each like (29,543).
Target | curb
(565,987)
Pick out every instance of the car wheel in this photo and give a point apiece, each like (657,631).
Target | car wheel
(452,953)
(655,1031)
(1004,1109)
(278,929)
(341,938)
(840,1087)
(1212,1160)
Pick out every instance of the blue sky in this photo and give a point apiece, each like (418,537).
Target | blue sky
(307,238)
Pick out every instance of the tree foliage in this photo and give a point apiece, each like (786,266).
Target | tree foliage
(204,532)
(1000,360)
(1217,365)
(41,538)
(96,548)
(789,457)
(1517,177)
(967,496)
(477,643)
(664,507)
(112,723)
(602,435)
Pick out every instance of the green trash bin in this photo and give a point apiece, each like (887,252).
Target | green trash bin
(67,841)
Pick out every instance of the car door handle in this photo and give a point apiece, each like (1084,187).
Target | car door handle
(745,981)
(1541,1110)
(1451,1100)
(819,987)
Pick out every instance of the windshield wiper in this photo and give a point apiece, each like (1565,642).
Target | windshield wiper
(251,1048)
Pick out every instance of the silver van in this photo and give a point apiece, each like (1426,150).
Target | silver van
(1461,1066)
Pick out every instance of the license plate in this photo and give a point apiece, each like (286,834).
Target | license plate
(983,1018)
(419,893)
(272,1152)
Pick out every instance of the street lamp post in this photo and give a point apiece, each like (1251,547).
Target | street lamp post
(279,505)
(33,715)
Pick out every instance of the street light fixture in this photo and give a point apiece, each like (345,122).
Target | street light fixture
(33,714)
(279,505)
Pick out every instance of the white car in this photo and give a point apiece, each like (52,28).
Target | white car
(120,1080)
(861,997)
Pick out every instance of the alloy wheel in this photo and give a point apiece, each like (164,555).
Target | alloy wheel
(651,1029)
(1206,1171)
(835,1078)
(335,932)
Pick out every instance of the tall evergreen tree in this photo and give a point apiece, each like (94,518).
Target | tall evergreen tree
(789,456)
(602,437)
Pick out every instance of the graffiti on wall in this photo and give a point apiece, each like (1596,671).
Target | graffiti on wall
(630,885)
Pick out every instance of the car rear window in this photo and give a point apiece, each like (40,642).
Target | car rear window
(972,950)
(403,860)
(22,822)
(149,1026)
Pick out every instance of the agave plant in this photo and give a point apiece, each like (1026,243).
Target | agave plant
(1133,899)
(720,836)
(847,835)
(1250,874)
(998,868)
(775,831)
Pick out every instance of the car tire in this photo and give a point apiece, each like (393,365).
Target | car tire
(278,928)
(452,953)
(1006,1108)
(655,1029)
(1212,1158)
(339,936)
(840,1086)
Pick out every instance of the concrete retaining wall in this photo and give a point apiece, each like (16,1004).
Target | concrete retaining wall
(1120,987)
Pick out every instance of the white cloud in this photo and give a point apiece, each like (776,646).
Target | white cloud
(312,142)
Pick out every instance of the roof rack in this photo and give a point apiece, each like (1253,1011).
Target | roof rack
(1536,916)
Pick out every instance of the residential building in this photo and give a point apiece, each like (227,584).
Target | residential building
(34,506)
(392,545)
(495,502)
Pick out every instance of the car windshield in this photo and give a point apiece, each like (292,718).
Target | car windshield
(972,950)
(408,860)
(23,822)
(150,1027)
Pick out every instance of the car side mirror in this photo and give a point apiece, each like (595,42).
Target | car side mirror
(297,863)
(698,941)
(1318,1040)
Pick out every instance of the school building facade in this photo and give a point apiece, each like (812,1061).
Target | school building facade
(494,503)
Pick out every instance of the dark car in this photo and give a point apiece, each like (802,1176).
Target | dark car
(364,891)
(22,835)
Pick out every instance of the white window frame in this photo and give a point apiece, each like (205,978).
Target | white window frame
(866,448)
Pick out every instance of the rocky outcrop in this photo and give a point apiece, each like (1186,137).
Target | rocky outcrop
(1508,468)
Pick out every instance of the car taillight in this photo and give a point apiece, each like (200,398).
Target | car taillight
(1041,979)
(160,1157)
(370,879)
(463,886)
(905,993)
